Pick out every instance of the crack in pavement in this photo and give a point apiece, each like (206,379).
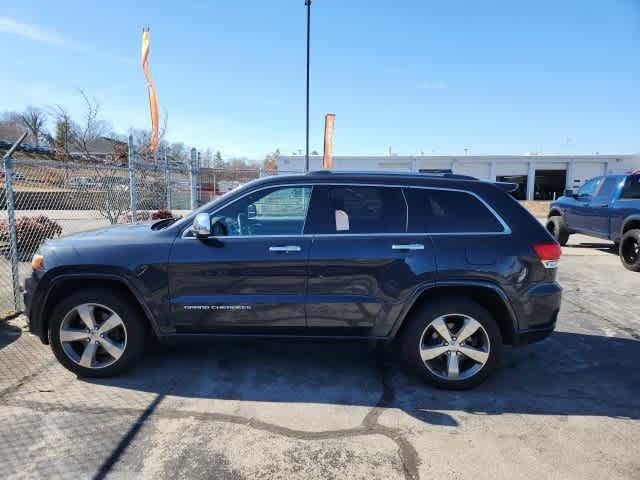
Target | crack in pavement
(369,425)
(628,330)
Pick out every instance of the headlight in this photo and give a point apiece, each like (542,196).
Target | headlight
(37,261)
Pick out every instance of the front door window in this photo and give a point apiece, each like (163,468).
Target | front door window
(273,211)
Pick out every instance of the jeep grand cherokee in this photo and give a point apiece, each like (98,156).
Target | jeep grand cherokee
(449,266)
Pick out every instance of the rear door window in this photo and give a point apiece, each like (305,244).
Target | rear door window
(354,209)
(631,188)
(449,211)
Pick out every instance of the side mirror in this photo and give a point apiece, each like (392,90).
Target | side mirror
(202,225)
(252,212)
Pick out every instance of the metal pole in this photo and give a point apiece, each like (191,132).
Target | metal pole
(133,194)
(11,221)
(166,178)
(306,155)
(194,199)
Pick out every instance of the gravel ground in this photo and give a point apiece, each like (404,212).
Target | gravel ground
(565,408)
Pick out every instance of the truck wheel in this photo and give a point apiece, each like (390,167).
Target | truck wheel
(630,250)
(452,343)
(96,333)
(558,229)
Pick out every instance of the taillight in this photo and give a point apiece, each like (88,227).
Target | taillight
(548,253)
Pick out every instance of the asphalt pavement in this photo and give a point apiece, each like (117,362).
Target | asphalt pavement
(566,408)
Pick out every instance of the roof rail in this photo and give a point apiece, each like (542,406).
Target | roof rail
(392,172)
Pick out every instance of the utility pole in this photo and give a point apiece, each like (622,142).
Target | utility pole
(306,155)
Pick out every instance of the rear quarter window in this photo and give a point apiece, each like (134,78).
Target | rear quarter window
(631,188)
(449,211)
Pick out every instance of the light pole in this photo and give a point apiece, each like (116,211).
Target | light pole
(306,155)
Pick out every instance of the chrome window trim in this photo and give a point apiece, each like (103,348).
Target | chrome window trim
(506,229)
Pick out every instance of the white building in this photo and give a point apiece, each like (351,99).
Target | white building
(541,177)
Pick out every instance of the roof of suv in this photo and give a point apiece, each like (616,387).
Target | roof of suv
(388,173)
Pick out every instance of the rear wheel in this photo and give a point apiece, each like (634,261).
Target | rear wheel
(558,229)
(629,250)
(453,343)
(96,334)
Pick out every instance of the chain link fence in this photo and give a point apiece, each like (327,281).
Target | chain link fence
(45,199)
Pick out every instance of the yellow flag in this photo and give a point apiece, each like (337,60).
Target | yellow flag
(153,99)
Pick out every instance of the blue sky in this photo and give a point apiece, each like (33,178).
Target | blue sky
(433,76)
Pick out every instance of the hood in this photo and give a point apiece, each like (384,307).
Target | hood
(117,234)
(110,232)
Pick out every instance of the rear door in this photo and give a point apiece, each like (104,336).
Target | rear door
(252,273)
(471,242)
(363,265)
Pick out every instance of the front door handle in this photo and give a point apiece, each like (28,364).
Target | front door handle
(407,246)
(285,248)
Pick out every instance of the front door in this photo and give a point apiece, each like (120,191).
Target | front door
(252,273)
(578,213)
(600,205)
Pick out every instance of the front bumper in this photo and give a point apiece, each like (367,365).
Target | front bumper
(31,296)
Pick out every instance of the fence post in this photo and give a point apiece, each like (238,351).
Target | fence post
(167,179)
(133,194)
(11,222)
(194,179)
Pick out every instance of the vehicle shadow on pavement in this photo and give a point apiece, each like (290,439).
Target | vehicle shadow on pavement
(567,374)
(8,334)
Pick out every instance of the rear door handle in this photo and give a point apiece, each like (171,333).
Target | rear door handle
(285,248)
(407,246)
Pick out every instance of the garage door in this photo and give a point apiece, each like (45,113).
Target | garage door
(583,171)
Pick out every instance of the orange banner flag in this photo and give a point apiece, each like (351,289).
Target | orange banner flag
(153,99)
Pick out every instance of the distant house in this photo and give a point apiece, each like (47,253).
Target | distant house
(103,149)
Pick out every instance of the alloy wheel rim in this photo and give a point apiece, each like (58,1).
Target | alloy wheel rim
(454,347)
(93,336)
(630,251)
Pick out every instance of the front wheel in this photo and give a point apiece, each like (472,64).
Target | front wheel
(96,333)
(629,250)
(453,343)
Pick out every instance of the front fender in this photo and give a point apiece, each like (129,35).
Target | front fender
(37,313)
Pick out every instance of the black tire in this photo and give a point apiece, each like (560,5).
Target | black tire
(558,229)
(628,250)
(129,313)
(418,323)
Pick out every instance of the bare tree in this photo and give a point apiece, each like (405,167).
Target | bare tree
(64,135)
(34,121)
(10,126)
(91,129)
(270,162)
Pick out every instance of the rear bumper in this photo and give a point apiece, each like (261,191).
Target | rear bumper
(526,337)
(539,314)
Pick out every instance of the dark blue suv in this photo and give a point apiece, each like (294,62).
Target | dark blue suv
(449,266)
